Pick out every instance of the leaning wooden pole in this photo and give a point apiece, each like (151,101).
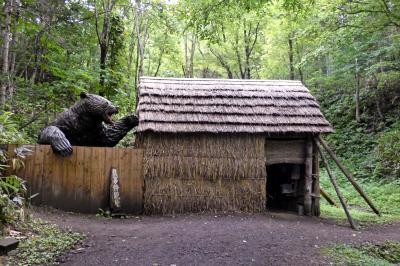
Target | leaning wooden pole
(335,185)
(349,176)
(328,197)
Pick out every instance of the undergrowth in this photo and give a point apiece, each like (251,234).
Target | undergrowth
(386,253)
(44,244)
(385,196)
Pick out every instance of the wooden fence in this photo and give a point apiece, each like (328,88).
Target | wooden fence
(81,182)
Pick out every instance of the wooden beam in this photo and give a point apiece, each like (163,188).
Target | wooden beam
(349,176)
(308,177)
(339,194)
(328,197)
(315,185)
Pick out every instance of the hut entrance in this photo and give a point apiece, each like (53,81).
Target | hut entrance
(284,181)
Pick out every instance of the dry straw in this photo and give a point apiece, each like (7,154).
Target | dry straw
(187,173)
(244,106)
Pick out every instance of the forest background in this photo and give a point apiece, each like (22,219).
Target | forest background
(346,52)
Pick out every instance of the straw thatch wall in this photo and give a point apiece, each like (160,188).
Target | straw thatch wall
(193,173)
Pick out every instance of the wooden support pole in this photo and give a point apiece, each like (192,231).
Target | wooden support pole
(328,197)
(349,176)
(339,194)
(315,184)
(308,177)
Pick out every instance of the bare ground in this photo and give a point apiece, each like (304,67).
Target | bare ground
(207,239)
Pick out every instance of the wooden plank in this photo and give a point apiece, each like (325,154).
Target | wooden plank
(35,173)
(125,180)
(98,192)
(86,182)
(47,173)
(29,161)
(132,181)
(108,163)
(284,151)
(57,179)
(68,182)
(79,202)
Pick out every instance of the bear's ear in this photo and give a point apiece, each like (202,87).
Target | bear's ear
(83,95)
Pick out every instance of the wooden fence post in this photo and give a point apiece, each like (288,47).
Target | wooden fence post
(308,177)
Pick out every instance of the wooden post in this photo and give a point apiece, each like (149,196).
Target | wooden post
(315,185)
(339,194)
(115,200)
(308,177)
(349,177)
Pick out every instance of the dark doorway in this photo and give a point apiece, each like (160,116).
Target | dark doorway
(284,183)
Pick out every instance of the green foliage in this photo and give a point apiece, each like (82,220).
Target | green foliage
(12,199)
(46,242)
(388,153)
(385,195)
(57,55)
(103,213)
(386,253)
(12,192)
(9,131)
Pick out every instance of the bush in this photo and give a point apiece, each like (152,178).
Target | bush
(388,154)
(9,131)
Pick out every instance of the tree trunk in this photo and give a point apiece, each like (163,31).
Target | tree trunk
(103,37)
(159,61)
(238,56)
(5,82)
(291,63)
(223,63)
(357,95)
(103,58)
(189,55)
(299,69)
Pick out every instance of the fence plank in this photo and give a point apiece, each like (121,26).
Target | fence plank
(35,174)
(98,192)
(57,180)
(79,201)
(130,181)
(108,164)
(124,178)
(47,173)
(86,182)
(68,182)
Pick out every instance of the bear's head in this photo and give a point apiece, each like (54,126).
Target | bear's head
(98,107)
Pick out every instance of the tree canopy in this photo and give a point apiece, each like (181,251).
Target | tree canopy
(346,52)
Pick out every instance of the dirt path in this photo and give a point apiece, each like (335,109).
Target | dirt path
(269,239)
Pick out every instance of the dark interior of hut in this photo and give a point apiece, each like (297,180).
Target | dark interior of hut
(284,183)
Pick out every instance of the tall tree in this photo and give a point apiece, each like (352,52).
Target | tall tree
(5,82)
(103,33)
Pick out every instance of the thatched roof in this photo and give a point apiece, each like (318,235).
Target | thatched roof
(178,105)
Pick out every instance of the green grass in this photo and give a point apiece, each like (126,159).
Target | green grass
(387,253)
(44,244)
(385,196)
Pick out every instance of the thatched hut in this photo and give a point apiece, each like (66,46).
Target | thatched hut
(229,145)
